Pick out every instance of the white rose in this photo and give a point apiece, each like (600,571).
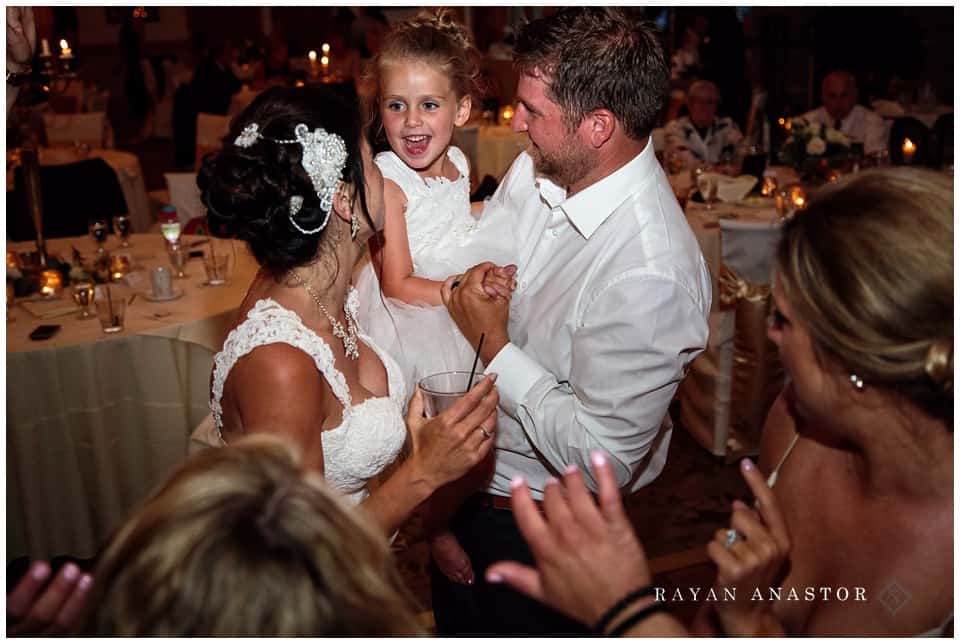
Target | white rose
(816,146)
(837,137)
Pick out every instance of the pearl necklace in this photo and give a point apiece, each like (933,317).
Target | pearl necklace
(348,337)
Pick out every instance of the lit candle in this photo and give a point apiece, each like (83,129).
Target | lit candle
(325,64)
(65,51)
(312,55)
(12,260)
(909,149)
(798,197)
(119,266)
(50,283)
(325,49)
(506,114)
(44,47)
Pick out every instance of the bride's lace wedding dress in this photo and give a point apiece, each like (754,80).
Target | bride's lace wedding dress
(371,432)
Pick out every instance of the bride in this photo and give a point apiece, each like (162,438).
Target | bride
(298,184)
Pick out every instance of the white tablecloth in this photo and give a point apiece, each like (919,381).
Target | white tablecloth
(95,421)
(129,174)
(497,147)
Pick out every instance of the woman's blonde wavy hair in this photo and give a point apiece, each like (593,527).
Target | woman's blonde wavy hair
(869,267)
(242,541)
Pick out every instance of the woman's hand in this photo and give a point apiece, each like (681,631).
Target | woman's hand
(447,446)
(587,557)
(755,560)
(39,607)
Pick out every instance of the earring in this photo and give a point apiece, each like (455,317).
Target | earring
(856,381)
(354,225)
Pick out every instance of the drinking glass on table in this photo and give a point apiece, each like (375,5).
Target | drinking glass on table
(111,307)
(122,225)
(99,230)
(83,296)
(707,184)
(441,390)
(178,259)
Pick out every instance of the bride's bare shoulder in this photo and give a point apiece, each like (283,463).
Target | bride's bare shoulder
(778,431)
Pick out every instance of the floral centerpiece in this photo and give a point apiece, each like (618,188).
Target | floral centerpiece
(812,148)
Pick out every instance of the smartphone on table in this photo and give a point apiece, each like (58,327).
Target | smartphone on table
(44,332)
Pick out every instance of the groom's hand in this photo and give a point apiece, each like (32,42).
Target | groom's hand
(477,312)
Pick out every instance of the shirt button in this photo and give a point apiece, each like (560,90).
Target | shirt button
(556,233)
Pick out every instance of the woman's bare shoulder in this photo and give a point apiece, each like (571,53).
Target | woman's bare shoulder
(778,430)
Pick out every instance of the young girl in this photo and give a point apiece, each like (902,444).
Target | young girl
(425,75)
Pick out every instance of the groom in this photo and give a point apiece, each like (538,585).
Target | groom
(611,301)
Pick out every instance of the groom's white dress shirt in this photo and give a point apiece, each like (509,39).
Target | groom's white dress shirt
(611,307)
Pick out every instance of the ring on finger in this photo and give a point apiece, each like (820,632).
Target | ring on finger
(731,537)
(485,432)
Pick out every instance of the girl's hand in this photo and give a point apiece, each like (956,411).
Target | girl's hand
(755,560)
(447,446)
(40,606)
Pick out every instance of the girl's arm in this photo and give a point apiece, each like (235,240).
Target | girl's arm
(393,256)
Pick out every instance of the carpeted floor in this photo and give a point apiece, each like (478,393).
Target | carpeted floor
(677,513)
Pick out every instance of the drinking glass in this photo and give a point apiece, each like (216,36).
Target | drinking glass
(217,267)
(441,390)
(178,259)
(99,230)
(83,296)
(111,307)
(122,225)
(707,184)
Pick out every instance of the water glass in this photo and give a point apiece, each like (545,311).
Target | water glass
(111,307)
(441,390)
(83,296)
(122,225)
(707,184)
(99,230)
(217,268)
(178,259)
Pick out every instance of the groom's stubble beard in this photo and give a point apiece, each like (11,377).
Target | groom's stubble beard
(567,165)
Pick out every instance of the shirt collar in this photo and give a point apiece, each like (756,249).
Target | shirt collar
(590,207)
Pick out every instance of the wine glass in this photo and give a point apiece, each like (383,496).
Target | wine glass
(99,230)
(178,259)
(707,184)
(122,226)
(83,295)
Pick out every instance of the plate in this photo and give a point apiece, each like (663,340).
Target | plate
(756,202)
(149,295)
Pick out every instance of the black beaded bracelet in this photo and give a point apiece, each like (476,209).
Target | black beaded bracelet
(641,614)
(614,610)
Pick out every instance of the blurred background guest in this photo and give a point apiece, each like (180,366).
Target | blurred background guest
(703,138)
(840,111)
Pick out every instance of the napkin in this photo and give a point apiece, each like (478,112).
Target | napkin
(45,309)
(733,189)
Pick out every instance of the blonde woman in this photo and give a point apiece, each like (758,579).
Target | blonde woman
(248,541)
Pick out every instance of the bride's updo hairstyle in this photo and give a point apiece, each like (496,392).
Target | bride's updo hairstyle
(869,268)
(247,189)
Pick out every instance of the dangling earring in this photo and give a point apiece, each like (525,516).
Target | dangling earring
(856,381)
(354,225)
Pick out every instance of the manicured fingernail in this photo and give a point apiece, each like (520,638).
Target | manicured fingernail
(747,465)
(40,570)
(71,572)
(572,469)
(740,505)
(598,459)
(492,376)
(85,582)
(494,578)
(517,481)
(551,481)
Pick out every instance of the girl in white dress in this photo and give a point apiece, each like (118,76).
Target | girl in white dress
(424,76)
(296,181)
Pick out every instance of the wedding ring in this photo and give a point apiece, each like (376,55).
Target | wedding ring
(485,432)
(731,538)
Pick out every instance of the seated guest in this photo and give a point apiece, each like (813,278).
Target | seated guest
(702,138)
(859,447)
(248,541)
(841,112)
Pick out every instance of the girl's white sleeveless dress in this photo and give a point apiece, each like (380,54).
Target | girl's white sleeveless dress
(445,239)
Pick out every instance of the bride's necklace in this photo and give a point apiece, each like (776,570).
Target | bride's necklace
(348,337)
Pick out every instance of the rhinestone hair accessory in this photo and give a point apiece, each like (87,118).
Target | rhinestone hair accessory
(324,157)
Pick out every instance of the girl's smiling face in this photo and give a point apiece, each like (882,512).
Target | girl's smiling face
(419,109)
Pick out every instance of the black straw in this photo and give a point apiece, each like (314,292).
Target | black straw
(476,359)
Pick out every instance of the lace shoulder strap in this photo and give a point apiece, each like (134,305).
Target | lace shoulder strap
(269,323)
(459,160)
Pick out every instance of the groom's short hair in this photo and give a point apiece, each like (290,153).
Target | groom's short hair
(597,57)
